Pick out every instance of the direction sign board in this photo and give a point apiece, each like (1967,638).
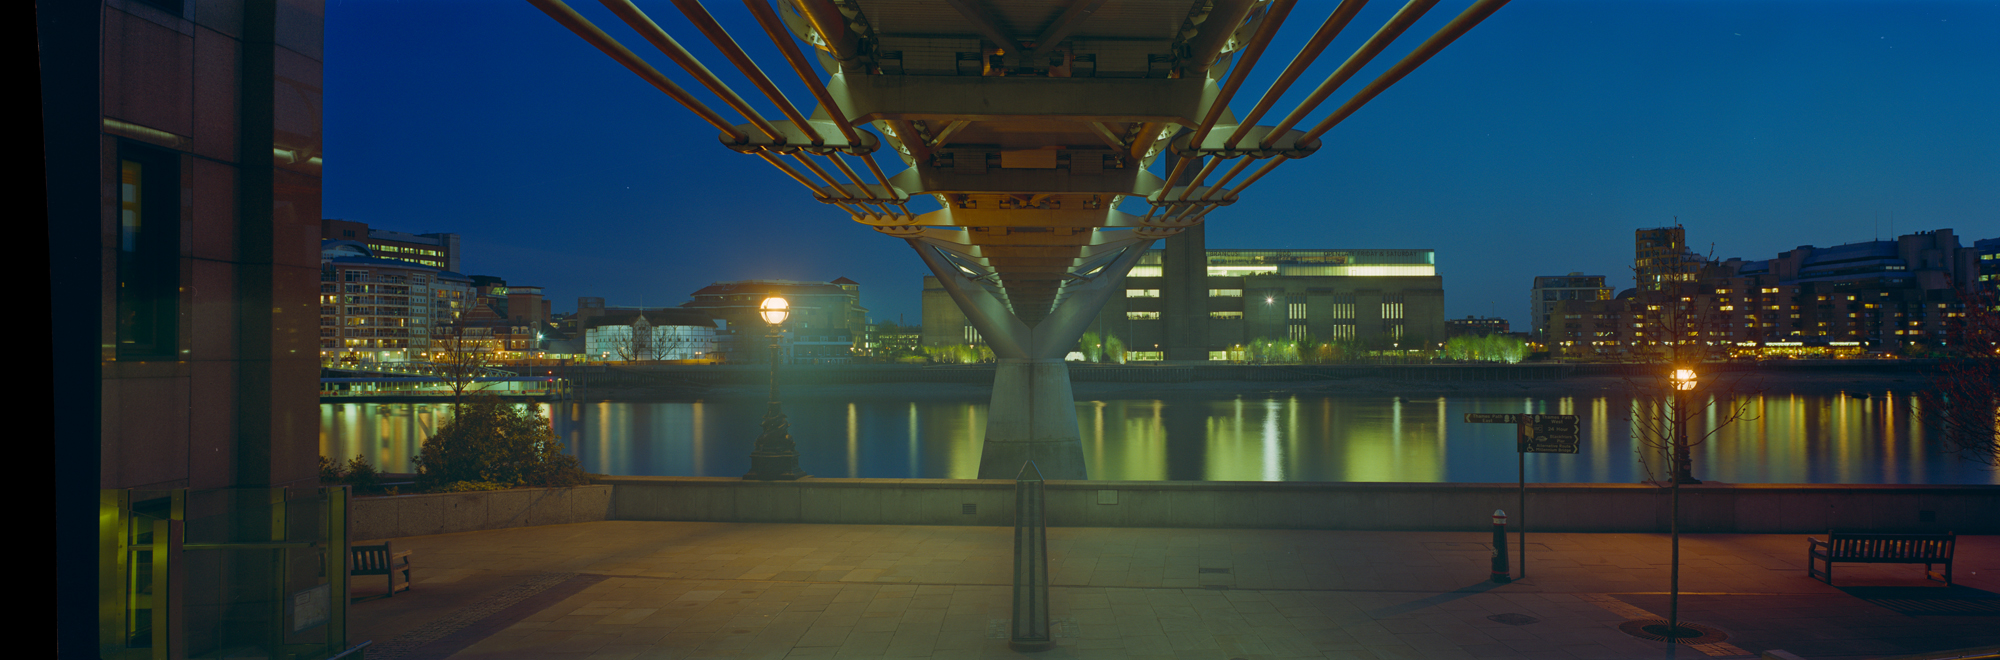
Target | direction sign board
(1547,434)
(1535,434)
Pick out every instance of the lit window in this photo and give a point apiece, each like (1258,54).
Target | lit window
(149,243)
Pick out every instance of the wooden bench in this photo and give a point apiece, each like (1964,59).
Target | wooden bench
(382,560)
(1926,549)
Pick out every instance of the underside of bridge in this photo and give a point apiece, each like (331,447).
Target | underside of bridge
(1028,122)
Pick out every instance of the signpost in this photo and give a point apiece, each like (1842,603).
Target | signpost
(1533,434)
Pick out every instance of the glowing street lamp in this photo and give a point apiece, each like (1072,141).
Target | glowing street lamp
(775,458)
(1684,381)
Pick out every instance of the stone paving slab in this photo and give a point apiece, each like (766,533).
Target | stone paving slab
(618,590)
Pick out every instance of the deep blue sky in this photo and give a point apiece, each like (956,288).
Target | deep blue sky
(1534,145)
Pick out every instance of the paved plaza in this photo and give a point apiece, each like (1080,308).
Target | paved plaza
(619,590)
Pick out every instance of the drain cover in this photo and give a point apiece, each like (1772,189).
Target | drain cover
(1656,630)
(1513,619)
(1212,570)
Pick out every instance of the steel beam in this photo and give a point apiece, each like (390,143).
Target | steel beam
(1335,22)
(1224,16)
(1074,15)
(832,26)
(703,21)
(583,28)
(644,25)
(1403,19)
(984,24)
(1450,32)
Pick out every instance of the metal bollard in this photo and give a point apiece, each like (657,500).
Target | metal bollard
(1500,547)
(1031,564)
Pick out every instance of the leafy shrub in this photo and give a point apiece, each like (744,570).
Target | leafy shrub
(489,441)
(330,472)
(362,476)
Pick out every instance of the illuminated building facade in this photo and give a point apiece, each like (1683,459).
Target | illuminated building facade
(1548,291)
(1382,298)
(658,335)
(1882,294)
(373,309)
(827,323)
(438,251)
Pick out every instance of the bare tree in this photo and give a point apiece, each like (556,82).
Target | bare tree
(635,342)
(1680,335)
(462,358)
(1965,388)
(642,341)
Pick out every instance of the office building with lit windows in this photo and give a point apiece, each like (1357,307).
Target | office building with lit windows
(1660,257)
(1475,326)
(435,250)
(373,309)
(1874,295)
(1550,290)
(1208,308)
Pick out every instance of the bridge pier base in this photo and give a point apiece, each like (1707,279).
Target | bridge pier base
(1032,418)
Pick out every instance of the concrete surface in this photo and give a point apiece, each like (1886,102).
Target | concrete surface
(621,589)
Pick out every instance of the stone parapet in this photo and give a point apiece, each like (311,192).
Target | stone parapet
(443,513)
(1706,508)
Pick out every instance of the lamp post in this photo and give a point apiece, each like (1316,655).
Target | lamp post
(1684,381)
(775,458)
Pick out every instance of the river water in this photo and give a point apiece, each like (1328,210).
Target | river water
(1839,438)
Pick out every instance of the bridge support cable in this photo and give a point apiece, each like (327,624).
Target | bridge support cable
(854,178)
(1207,168)
(582,27)
(1458,26)
(1266,29)
(703,21)
(576,23)
(1328,30)
(1226,178)
(1465,21)
(780,35)
(651,31)
(828,179)
(817,192)
(706,23)
(1402,21)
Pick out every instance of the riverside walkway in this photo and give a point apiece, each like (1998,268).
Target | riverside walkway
(618,590)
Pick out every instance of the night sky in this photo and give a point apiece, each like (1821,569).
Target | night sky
(1534,145)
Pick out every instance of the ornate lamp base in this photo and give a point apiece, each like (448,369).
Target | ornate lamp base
(775,458)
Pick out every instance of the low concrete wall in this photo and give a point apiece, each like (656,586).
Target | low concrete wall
(443,513)
(1747,508)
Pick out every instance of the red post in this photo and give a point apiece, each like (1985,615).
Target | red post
(1500,547)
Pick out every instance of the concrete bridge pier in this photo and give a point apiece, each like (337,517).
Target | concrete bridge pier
(1032,418)
(1033,413)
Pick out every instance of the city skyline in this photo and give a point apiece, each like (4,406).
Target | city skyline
(1533,146)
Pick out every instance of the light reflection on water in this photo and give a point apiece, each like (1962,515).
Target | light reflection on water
(1785,439)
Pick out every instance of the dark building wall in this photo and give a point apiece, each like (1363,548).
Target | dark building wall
(1184,312)
(226,94)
